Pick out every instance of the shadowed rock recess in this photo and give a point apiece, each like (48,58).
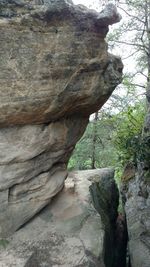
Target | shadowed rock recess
(55,71)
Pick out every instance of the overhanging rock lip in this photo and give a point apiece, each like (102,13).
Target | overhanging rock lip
(45,9)
(77,81)
(108,16)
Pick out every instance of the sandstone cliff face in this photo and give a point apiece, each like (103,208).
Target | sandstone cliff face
(136,195)
(54,62)
(55,71)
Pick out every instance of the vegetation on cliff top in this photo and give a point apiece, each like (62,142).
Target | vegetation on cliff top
(114,135)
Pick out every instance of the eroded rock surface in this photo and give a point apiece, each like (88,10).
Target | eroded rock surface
(136,196)
(137,209)
(68,232)
(55,71)
(33,167)
(105,197)
(54,61)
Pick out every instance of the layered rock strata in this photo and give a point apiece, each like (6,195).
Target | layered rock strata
(55,71)
(68,232)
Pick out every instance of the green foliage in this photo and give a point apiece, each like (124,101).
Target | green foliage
(118,139)
(3,243)
(143,154)
(147,177)
(117,136)
(127,137)
(118,173)
(104,151)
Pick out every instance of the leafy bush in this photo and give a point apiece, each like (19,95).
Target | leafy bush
(127,137)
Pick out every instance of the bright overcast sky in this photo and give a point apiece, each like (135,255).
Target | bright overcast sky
(119,50)
(88,3)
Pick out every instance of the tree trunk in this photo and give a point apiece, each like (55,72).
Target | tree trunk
(93,163)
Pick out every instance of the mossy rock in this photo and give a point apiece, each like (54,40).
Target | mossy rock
(3,243)
(129,172)
(147,177)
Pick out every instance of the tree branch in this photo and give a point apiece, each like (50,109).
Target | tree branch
(139,85)
(132,44)
(139,72)
(135,17)
(131,54)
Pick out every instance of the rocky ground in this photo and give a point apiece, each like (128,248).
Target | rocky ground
(69,232)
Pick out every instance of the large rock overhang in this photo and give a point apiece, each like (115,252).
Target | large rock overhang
(54,61)
(55,71)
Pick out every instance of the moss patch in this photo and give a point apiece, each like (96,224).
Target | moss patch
(3,243)
(129,172)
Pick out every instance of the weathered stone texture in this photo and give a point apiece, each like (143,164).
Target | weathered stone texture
(54,62)
(33,167)
(136,193)
(68,232)
(55,71)
(137,207)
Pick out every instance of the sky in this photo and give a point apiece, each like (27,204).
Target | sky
(119,50)
(123,51)
(94,4)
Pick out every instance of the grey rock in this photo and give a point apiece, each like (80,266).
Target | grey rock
(49,58)
(137,208)
(137,204)
(55,71)
(68,232)
(35,169)
(105,197)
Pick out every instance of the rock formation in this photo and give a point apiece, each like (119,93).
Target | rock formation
(101,190)
(136,196)
(68,232)
(55,71)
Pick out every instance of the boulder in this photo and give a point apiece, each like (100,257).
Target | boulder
(69,231)
(54,61)
(55,71)
(33,168)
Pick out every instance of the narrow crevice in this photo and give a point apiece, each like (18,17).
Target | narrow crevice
(121,241)
(105,198)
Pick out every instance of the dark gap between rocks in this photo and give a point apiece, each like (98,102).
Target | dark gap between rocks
(105,198)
